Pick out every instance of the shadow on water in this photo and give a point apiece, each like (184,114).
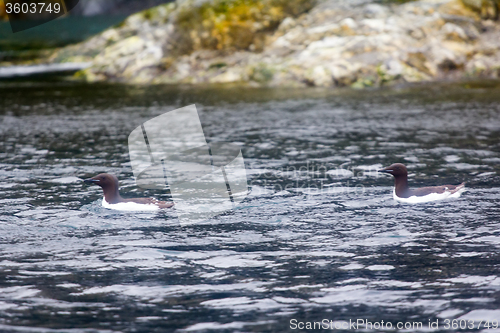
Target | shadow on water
(319,236)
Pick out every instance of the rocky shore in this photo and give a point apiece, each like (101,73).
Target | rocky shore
(327,43)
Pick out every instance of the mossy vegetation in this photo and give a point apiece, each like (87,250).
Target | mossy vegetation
(21,15)
(261,73)
(395,1)
(230,25)
(487,9)
(159,14)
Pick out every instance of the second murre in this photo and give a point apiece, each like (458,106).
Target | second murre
(403,193)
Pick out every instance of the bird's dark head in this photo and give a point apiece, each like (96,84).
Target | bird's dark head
(105,180)
(396,169)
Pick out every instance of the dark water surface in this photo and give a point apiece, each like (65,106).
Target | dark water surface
(319,237)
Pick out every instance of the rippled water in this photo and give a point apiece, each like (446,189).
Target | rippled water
(319,237)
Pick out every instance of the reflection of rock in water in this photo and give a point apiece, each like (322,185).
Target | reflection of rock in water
(114,7)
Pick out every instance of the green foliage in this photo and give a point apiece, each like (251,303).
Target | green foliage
(487,9)
(217,65)
(362,83)
(234,24)
(261,73)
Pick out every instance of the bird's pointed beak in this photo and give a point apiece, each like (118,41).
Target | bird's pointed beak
(90,180)
(385,171)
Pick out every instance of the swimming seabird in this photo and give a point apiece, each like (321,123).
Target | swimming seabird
(113,200)
(403,193)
